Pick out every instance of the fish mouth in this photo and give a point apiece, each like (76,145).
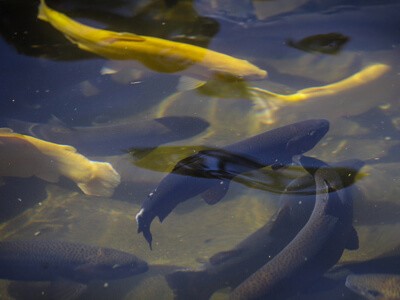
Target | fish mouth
(320,129)
(142,267)
(308,138)
(261,74)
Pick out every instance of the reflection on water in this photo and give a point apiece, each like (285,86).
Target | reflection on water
(52,88)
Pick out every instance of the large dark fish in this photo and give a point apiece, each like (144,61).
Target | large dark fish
(116,138)
(317,246)
(49,260)
(209,172)
(375,286)
(230,268)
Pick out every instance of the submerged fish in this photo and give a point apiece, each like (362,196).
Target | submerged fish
(155,53)
(229,268)
(328,43)
(317,246)
(364,76)
(26,156)
(113,139)
(210,175)
(375,286)
(267,103)
(54,260)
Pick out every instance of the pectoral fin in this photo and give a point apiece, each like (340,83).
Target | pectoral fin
(352,241)
(66,290)
(188,83)
(216,192)
(223,256)
(5,130)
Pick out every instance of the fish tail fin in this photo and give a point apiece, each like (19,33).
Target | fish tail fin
(43,9)
(195,285)
(143,220)
(266,104)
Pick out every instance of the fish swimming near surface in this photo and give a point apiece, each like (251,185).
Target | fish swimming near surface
(229,268)
(26,156)
(375,286)
(111,139)
(328,43)
(207,173)
(155,53)
(60,261)
(317,246)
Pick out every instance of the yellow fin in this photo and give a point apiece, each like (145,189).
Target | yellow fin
(42,14)
(123,36)
(187,83)
(6,130)
(69,148)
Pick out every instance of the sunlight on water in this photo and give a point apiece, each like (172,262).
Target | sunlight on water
(114,80)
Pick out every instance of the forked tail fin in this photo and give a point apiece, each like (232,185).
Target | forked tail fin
(42,13)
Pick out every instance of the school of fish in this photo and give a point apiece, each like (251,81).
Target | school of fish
(289,255)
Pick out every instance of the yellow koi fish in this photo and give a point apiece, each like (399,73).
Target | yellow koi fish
(362,77)
(157,54)
(26,156)
(268,103)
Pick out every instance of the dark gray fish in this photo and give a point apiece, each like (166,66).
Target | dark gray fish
(375,286)
(230,268)
(317,246)
(116,138)
(69,265)
(387,263)
(328,43)
(209,172)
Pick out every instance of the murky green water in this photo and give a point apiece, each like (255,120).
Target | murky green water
(44,75)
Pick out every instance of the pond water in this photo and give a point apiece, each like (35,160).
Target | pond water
(56,91)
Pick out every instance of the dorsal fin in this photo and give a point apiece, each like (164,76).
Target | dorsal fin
(6,130)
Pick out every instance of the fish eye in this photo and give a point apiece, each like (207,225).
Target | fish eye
(312,132)
(374,293)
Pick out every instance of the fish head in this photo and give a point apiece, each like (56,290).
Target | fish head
(239,68)
(109,263)
(307,134)
(371,286)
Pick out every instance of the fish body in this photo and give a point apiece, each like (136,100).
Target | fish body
(316,248)
(155,53)
(229,268)
(116,138)
(375,286)
(48,260)
(26,156)
(204,173)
